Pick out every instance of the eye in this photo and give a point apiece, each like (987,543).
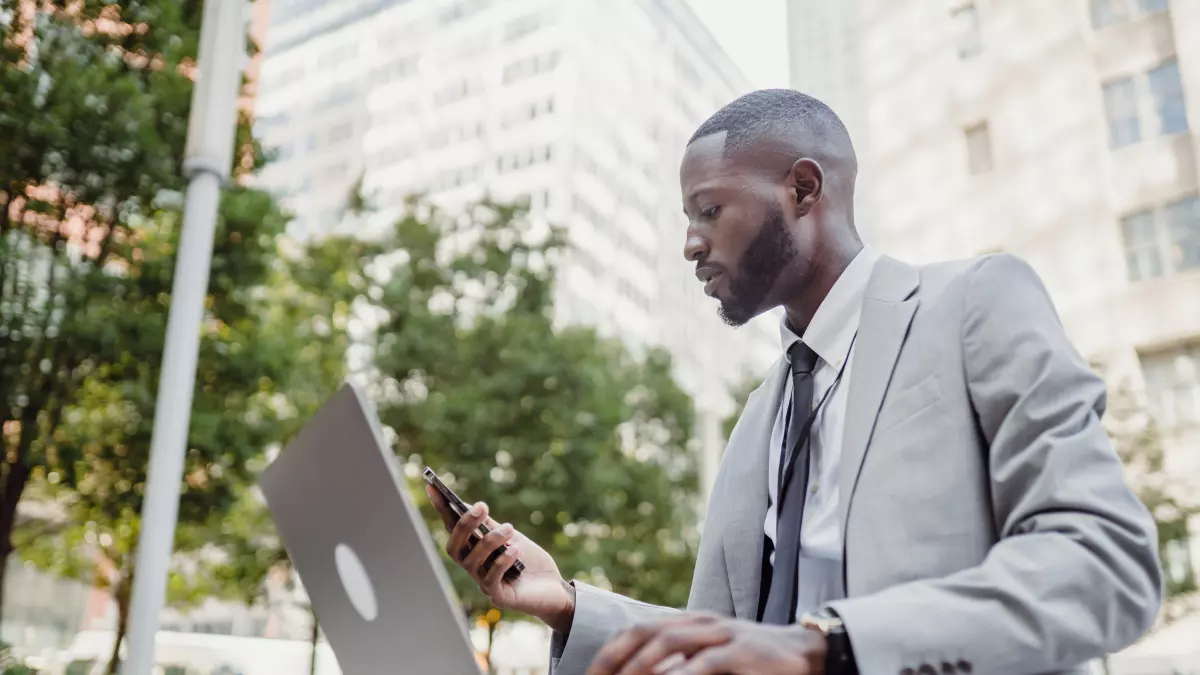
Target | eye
(711,212)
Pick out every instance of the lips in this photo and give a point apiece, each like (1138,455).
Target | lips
(710,288)
(711,276)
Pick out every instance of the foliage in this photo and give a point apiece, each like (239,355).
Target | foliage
(270,350)
(10,665)
(1139,443)
(94,98)
(740,394)
(582,446)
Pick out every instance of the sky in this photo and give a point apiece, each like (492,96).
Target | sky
(753,33)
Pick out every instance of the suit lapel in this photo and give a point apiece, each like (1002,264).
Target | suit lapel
(888,308)
(747,466)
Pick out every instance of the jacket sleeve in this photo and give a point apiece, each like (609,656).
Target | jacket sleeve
(600,615)
(1075,574)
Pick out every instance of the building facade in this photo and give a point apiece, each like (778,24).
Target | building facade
(825,61)
(583,107)
(1063,132)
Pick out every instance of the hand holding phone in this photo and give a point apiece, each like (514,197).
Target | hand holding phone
(459,507)
(533,584)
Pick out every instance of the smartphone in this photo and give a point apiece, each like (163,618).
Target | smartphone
(459,507)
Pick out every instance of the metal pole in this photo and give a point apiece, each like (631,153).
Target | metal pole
(209,158)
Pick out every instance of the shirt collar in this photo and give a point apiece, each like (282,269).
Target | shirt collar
(833,327)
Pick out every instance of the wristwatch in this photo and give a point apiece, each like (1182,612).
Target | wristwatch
(839,657)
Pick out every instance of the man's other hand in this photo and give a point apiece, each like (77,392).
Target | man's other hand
(697,644)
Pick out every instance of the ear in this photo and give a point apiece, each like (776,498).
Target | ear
(806,182)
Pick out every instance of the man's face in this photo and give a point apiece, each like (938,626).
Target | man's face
(737,232)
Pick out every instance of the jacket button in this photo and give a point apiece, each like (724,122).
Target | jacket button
(963,666)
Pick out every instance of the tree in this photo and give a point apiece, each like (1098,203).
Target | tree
(740,395)
(94,100)
(584,447)
(1139,443)
(271,349)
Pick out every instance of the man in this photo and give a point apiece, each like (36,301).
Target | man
(921,485)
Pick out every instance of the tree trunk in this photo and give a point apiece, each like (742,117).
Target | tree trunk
(15,476)
(490,642)
(314,638)
(121,595)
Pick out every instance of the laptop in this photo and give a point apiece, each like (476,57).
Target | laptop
(370,567)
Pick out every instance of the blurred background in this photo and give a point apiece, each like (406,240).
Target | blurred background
(471,208)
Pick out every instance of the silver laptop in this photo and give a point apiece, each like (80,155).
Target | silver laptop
(362,550)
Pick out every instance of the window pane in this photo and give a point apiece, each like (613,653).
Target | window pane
(1167,92)
(979,148)
(1183,226)
(1105,13)
(1173,384)
(1152,6)
(1120,104)
(1142,256)
(966,19)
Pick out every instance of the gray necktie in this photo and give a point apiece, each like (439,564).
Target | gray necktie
(781,598)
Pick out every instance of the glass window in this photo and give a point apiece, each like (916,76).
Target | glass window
(979,148)
(1106,13)
(1152,6)
(966,19)
(1173,384)
(1120,105)
(1183,228)
(1177,562)
(1167,91)
(521,26)
(1142,258)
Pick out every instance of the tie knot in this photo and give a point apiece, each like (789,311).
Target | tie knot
(803,358)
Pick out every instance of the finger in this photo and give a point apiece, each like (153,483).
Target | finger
(496,539)
(458,544)
(490,583)
(717,661)
(732,658)
(669,643)
(443,509)
(619,650)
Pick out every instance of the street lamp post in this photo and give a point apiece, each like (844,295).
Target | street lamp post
(207,164)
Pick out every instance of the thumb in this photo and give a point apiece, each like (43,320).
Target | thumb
(448,516)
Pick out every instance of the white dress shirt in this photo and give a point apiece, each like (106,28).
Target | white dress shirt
(831,335)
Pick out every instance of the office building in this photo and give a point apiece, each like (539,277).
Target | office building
(825,61)
(1063,132)
(583,107)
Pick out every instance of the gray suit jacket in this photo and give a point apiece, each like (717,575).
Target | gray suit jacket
(988,526)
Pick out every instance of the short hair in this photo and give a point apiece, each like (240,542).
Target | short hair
(782,112)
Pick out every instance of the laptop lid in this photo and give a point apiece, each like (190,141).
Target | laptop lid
(361,548)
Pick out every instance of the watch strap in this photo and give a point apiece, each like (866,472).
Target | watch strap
(839,655)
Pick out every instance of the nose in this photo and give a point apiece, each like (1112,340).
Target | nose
(695,247)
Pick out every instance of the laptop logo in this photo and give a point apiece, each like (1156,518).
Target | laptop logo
(356,582)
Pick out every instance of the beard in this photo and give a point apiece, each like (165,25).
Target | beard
(764,259)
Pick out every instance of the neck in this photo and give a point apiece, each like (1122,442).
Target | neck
(828,268)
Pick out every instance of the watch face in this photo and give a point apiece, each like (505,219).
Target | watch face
(824,625)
